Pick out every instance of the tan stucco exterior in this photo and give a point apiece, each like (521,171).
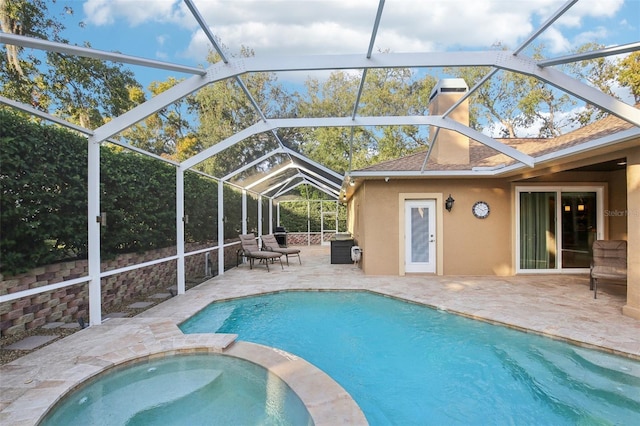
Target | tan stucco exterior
(470,246)
(632,308)
(378,232)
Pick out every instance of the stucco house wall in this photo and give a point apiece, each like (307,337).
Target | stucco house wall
(602,157)
(378,232)
(469,246)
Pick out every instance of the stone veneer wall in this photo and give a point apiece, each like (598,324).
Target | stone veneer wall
(70,303)
(304,238)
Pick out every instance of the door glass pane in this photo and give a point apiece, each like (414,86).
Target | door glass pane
(537,230)
(579,228)
(419,234)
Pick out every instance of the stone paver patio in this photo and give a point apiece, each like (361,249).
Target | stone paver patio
(558,306)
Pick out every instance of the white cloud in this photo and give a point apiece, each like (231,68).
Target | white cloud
(599,8)
(555,41)
(594,35)
(282,27)
(133,12)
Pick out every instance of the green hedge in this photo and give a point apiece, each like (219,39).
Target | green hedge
(43,183)
(294,215)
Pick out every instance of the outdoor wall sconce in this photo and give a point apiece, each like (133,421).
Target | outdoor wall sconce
(448,204)
(102,219)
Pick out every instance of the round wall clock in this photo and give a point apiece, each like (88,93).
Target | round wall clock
(480,209)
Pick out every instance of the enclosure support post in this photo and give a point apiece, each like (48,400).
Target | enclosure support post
(278,214)
(220,227)
(94,223)
(259,215)
(244,211)
(181,220)
(308,222)
(271,215)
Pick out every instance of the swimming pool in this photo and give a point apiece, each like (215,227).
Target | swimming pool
(193,389)
(408,364)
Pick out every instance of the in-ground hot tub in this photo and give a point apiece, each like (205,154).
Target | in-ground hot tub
(182,389)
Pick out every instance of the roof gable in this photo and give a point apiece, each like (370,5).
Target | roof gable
(485,156)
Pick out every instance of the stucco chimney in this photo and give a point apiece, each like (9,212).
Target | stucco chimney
(450,147)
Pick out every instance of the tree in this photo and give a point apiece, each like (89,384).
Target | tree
(88,91)
(629,74)
(598,72)
(224,109)
(517,102)
(386,92)
(495,104)
(19,69)
(395,91)
(85,91)
(330,146)
(168,132)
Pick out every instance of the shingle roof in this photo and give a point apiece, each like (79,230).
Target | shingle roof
(481,155)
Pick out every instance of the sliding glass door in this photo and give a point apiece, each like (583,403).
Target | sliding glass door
(557,226)
(579,228)
(538,230)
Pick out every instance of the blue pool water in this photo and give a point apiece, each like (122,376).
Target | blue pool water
(407,364)
(183,390)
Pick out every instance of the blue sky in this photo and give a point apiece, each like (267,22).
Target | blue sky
(165,30)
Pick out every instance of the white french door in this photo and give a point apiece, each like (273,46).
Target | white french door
(420,236)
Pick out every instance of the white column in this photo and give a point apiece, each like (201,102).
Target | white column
(180,222)
(260,215)
(220,227)
(309,224)
(244,211)
(93,212)
(271,215)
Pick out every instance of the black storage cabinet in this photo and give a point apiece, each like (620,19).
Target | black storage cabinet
(341,251)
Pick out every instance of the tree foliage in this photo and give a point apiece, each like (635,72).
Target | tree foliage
(629,74)
(224,109)
(168,132)
(599,73)
(43,188)
(19,69)
(509,104)
(85,91)
(386,92)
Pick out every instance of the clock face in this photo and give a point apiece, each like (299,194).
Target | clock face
(480,209)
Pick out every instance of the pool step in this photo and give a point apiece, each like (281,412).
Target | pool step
(568,384)
(158,389)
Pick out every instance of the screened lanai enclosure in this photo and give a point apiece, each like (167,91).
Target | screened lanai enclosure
(269,104)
